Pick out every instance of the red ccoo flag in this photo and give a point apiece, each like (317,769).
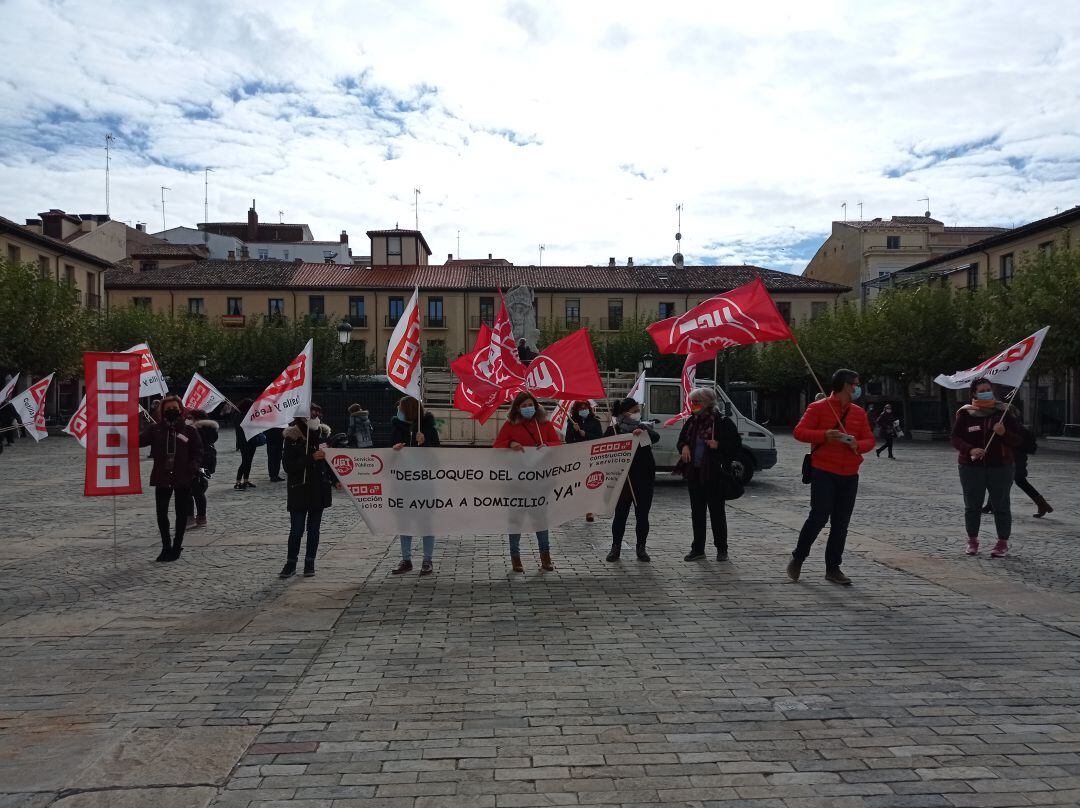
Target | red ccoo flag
(743,316)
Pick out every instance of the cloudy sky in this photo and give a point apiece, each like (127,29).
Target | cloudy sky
(579,125)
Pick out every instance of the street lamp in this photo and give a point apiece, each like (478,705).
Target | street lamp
(202,361)
(646,362)
(344,334)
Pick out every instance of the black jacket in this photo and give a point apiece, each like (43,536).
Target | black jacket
(643,466)
(405,431)
(208,433)
(591,426)
(729,447)
(310,481)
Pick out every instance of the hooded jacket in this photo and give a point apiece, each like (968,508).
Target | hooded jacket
(208,434)
(310,481)
(972,430)
(176,450)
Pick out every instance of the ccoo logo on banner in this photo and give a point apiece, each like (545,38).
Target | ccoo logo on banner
(112,424)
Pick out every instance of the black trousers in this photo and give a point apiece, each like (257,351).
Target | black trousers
(275,444)
(832,499)
(183,511)
(247,453)
(886,445)
(641,501)
(706,496)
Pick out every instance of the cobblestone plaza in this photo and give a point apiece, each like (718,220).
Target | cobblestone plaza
(935,680)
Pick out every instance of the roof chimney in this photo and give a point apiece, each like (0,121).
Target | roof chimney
(253,223)
(140,226)
(489,256)
(232,255)
(244,254)
(344,239)
(611,262)
(449,256)
(630,261)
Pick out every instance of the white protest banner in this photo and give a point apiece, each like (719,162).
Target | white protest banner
(151,379)
(30,408)
(637,392)
(201,395)
(403,351)
(468,491)
(1007,368)
(287,397)
(76,427)
(9,388)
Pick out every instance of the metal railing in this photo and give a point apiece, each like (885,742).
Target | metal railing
(357,320)
(435,322)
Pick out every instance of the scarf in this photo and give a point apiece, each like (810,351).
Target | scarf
(699,428)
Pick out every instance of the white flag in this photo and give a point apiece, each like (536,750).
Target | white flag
(151,380)
(403,353)
(30,408)
(287,397)
(201,395)
(9,388)
(560,418)
(1007,368)
(637,392)
(76,427)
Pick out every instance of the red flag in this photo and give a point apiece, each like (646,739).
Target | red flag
(566,369)
(689,382)
(112,424)
(743,316)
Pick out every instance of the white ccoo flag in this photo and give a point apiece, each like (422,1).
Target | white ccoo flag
(403,352)
(287,397)
(1007,368)
(201,395)
(9,388)
(76,427)
(637,392)
(151,379)
(30,408)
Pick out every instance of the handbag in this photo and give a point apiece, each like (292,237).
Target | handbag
(731,487)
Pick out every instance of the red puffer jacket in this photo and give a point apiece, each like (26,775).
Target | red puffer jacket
(819,418)
(527,433)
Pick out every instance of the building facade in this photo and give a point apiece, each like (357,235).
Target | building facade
(55,259)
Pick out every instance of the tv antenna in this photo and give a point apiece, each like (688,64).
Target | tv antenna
(163,190)
(206,195)
(677,258)
(108,143)
(416,205)
(860,210)
(541,246)
(281,217)
(844,206)
(926,199)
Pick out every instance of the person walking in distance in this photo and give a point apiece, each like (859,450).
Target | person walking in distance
(308,487)
(208,434)
(886,425)
(359,431)
(411,427)
(247,448)
(637,491)
(583,425)
(708,443)
(275,444)
(176,450)
(985,434)
(839,434)
(1021,453)
(527,426)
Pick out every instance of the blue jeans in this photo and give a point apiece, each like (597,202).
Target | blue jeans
(406,547)
(312,519)
(541,539)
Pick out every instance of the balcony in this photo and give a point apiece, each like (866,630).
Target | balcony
(233,320)
(434,322)
(274,319)
(391,320)
(484,319)
(316,317)
(611,323)
(357,320)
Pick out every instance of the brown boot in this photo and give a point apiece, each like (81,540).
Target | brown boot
(515,562)
(545,562)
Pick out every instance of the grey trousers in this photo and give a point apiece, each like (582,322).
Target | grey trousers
(977,481)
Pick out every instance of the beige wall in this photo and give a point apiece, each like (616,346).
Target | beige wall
(1022,249)
(412,252)
(86,277)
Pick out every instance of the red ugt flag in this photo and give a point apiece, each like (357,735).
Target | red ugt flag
(566,369)
(112,424)
(743,316)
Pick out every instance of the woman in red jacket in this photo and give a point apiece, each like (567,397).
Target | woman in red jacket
(527,425)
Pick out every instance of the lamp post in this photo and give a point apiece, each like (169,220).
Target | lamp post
(646,362)
(344,334)
(202,361)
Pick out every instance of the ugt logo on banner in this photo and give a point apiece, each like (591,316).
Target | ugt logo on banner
(112,424)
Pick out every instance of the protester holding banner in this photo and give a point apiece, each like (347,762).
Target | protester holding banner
(176,450)
(641,479)
(840,434)
(527,426)
(247,449)
(309,487)
(208,434)
(583,425)
(708,443)
(413,428)
(985,434)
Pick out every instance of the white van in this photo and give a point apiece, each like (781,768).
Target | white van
(664,400)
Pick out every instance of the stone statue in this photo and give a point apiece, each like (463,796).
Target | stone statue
(519,305)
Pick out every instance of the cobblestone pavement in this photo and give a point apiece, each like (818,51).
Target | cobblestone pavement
(936,680)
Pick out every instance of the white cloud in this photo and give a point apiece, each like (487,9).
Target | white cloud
(576,125)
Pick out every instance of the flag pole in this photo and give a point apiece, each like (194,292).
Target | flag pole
(115,564)
(817,381)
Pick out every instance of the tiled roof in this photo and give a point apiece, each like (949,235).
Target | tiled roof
(478,262)
(901,222)
(172,251)
(265,231)
(15,229)
(281,274)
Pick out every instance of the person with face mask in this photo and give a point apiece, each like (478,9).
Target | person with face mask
(839,433)
(886,424)
(986,435)
(309,483)
(176,450)
(208,434)
(708,442)
(637,492)
(583,425)
(527,427)
(413,427)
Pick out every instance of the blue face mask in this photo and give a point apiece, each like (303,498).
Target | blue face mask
(583,413)
(401,415)
(527,412)
(986,395)
(857,392)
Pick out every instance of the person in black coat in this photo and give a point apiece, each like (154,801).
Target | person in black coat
(275,445)
(708,443)
(583,425)
(309,486)
(208,433)
(412,427)
(247,447)
(640,481)
(176,450)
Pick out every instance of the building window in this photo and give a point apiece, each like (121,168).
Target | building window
(285,254)
(393,246)
(317,308)
(573,312)
(892,242)
(973,277)
(1006,268)
(487,311)
(275,308)
(141,303)
(785,310)
(234,306)
(664,399)
(69,274)
(146,266)
(43,266)
(614,314)
(397,308)
(264,253)
(195,305)
(666,310)
(14,254)
(818,308)
(357,314)
(1046,248)
(435,318)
